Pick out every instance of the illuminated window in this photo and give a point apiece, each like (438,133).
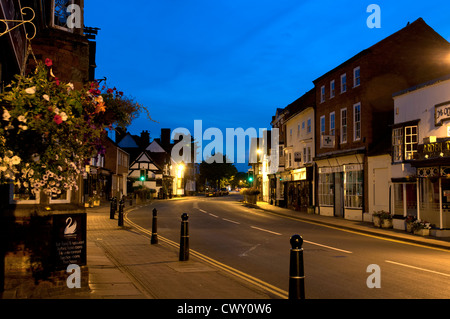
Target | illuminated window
(411,141)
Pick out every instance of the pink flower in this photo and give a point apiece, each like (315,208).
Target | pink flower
(48,62)
(57,119)
(57,81)
(109,91)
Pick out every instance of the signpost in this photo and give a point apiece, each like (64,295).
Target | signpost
(69,240)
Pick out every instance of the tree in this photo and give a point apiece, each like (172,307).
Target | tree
(214,172)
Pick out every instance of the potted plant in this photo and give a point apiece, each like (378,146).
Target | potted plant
(250,195)
(409,221)
(382,219)
(421,228)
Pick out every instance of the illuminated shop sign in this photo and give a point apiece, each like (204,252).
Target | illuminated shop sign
(433,150)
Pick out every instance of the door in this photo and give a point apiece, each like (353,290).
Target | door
(339,194)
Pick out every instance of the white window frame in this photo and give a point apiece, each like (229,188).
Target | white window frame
(397,144)
(62,201)
(308,127)
(356,79)
(344,126)
(333,123)
(322,94)
(344,83)
(409,144)
(332,89)
(357,122)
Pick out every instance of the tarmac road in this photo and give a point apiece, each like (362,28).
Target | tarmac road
(338,263)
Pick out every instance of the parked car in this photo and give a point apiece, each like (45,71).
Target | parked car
(211,192)
(224,191)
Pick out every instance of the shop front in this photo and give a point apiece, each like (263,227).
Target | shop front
(340,186)
(300,189)
(432,163)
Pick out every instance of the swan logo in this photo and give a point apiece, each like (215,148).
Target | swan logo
(71,228)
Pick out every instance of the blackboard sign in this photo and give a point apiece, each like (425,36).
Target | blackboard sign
(69,239)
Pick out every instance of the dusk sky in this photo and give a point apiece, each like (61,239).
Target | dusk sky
(232,63)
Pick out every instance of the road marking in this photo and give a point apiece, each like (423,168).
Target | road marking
(268,231)
(203,211)
(329,247)
(242,275)
(356,232)
(213,215)
(231,221)
(418,268)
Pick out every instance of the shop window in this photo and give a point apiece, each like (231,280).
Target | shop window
(353,189)
(326,185)
(429,199)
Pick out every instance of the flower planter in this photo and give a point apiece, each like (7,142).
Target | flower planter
(409,227)
(376,221)
(422,232)
(386,223)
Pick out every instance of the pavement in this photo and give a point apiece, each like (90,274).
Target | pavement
(124,265)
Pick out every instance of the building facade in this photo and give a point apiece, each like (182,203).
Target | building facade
(354,111)
(421,154)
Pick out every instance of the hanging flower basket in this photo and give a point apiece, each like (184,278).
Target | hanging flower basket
(49,130)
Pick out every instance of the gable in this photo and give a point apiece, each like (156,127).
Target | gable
(127,142)
(154,147)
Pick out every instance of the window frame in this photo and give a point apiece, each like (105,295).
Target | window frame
(357,122)
(356,79)
(343,83)
(333,123)
(344,137)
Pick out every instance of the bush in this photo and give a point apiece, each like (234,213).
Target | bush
(250,191)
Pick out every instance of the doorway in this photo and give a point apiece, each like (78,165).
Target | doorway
(339,194)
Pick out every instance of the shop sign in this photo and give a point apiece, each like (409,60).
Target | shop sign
(441,113)
(69,239)
(299,174)
(432,150)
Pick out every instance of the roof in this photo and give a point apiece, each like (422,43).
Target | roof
(305,101)
(422,85)
(410,27)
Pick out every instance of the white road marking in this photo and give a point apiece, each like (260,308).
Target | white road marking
(213,215)
(418,268)
(329,247)
(203,211)
(268,231)
(231,221)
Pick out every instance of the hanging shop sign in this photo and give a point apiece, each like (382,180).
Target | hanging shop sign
(441,113)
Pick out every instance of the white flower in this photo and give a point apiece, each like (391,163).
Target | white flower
(15,160)
(63,116)
(46,97)
(6,115)
(70,86)
(3,168)
(31,90)
(22,118)
(23,127)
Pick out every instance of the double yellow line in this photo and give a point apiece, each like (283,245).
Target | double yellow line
(244,276)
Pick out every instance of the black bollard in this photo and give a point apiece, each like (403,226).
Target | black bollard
(120,213)
(296,269)
(184,240)
(154,239)
(112,210)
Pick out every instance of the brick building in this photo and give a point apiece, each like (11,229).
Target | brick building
(354,112)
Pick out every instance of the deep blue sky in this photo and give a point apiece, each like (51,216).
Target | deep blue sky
(231,63)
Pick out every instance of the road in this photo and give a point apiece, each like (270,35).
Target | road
(255,245)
